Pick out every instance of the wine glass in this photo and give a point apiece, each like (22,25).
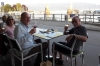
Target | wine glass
(35,24)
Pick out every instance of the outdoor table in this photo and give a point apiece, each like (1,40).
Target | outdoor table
(42,33)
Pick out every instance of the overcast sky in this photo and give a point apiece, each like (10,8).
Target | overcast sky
(47,1)
(56,4)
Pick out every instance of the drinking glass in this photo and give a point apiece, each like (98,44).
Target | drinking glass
(35,24)
(66,27)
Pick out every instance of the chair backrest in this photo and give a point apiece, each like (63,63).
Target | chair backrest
(73,45)
(3,44)
(14,43)
(74,42)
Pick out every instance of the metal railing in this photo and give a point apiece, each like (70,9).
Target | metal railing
(86,18)
(61,17)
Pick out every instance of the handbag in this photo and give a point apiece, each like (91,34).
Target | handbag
(46,63)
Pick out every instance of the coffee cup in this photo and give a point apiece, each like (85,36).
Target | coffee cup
(66,27)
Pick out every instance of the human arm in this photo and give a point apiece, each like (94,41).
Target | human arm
(83,38)
(80,37)
(70,31)
(32,31)
(65,30)
(22,35)
(80,34)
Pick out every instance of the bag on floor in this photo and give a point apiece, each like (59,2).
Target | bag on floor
(46,63)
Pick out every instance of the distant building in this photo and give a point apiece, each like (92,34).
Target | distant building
(47,11)
(96,12)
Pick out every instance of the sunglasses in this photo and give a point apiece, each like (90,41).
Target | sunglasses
(74,21)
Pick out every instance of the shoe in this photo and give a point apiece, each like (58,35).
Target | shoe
(51,59)
(59,62)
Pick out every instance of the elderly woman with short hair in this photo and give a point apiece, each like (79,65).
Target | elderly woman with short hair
(9,28)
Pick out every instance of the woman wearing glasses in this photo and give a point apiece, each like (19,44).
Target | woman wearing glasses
(9,28)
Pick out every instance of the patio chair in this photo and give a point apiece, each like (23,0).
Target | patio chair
(71,55)
(4,46)
(99,60)
(15,46)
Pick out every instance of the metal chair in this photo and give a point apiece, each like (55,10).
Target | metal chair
(71,55)
(15,46)
(5,47)
(99,60)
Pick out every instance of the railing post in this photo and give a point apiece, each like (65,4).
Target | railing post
(93,18)
(65,17)
(90,18)
(33,15)
(53,16)
(61,17)
(30,16)
(85,18)
(79,16)
(44,16)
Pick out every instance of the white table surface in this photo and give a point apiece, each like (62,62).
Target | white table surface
(47,36)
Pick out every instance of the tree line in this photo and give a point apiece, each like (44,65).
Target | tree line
(15,7)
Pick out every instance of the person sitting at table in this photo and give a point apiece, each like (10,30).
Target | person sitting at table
(79,32)
(24,35)
(9,28)
(4,18)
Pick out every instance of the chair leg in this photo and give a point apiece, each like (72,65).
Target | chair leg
(12,60)
(71,61)
(54,59)
(42,57)
(53,55)
(41,54)
(99,58)
(82,59)
(22,62)
(75,61)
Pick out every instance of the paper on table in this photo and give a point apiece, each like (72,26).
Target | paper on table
(40,35)
(58,34)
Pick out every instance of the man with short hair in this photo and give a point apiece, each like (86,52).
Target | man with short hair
(78,31)
(25,38)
